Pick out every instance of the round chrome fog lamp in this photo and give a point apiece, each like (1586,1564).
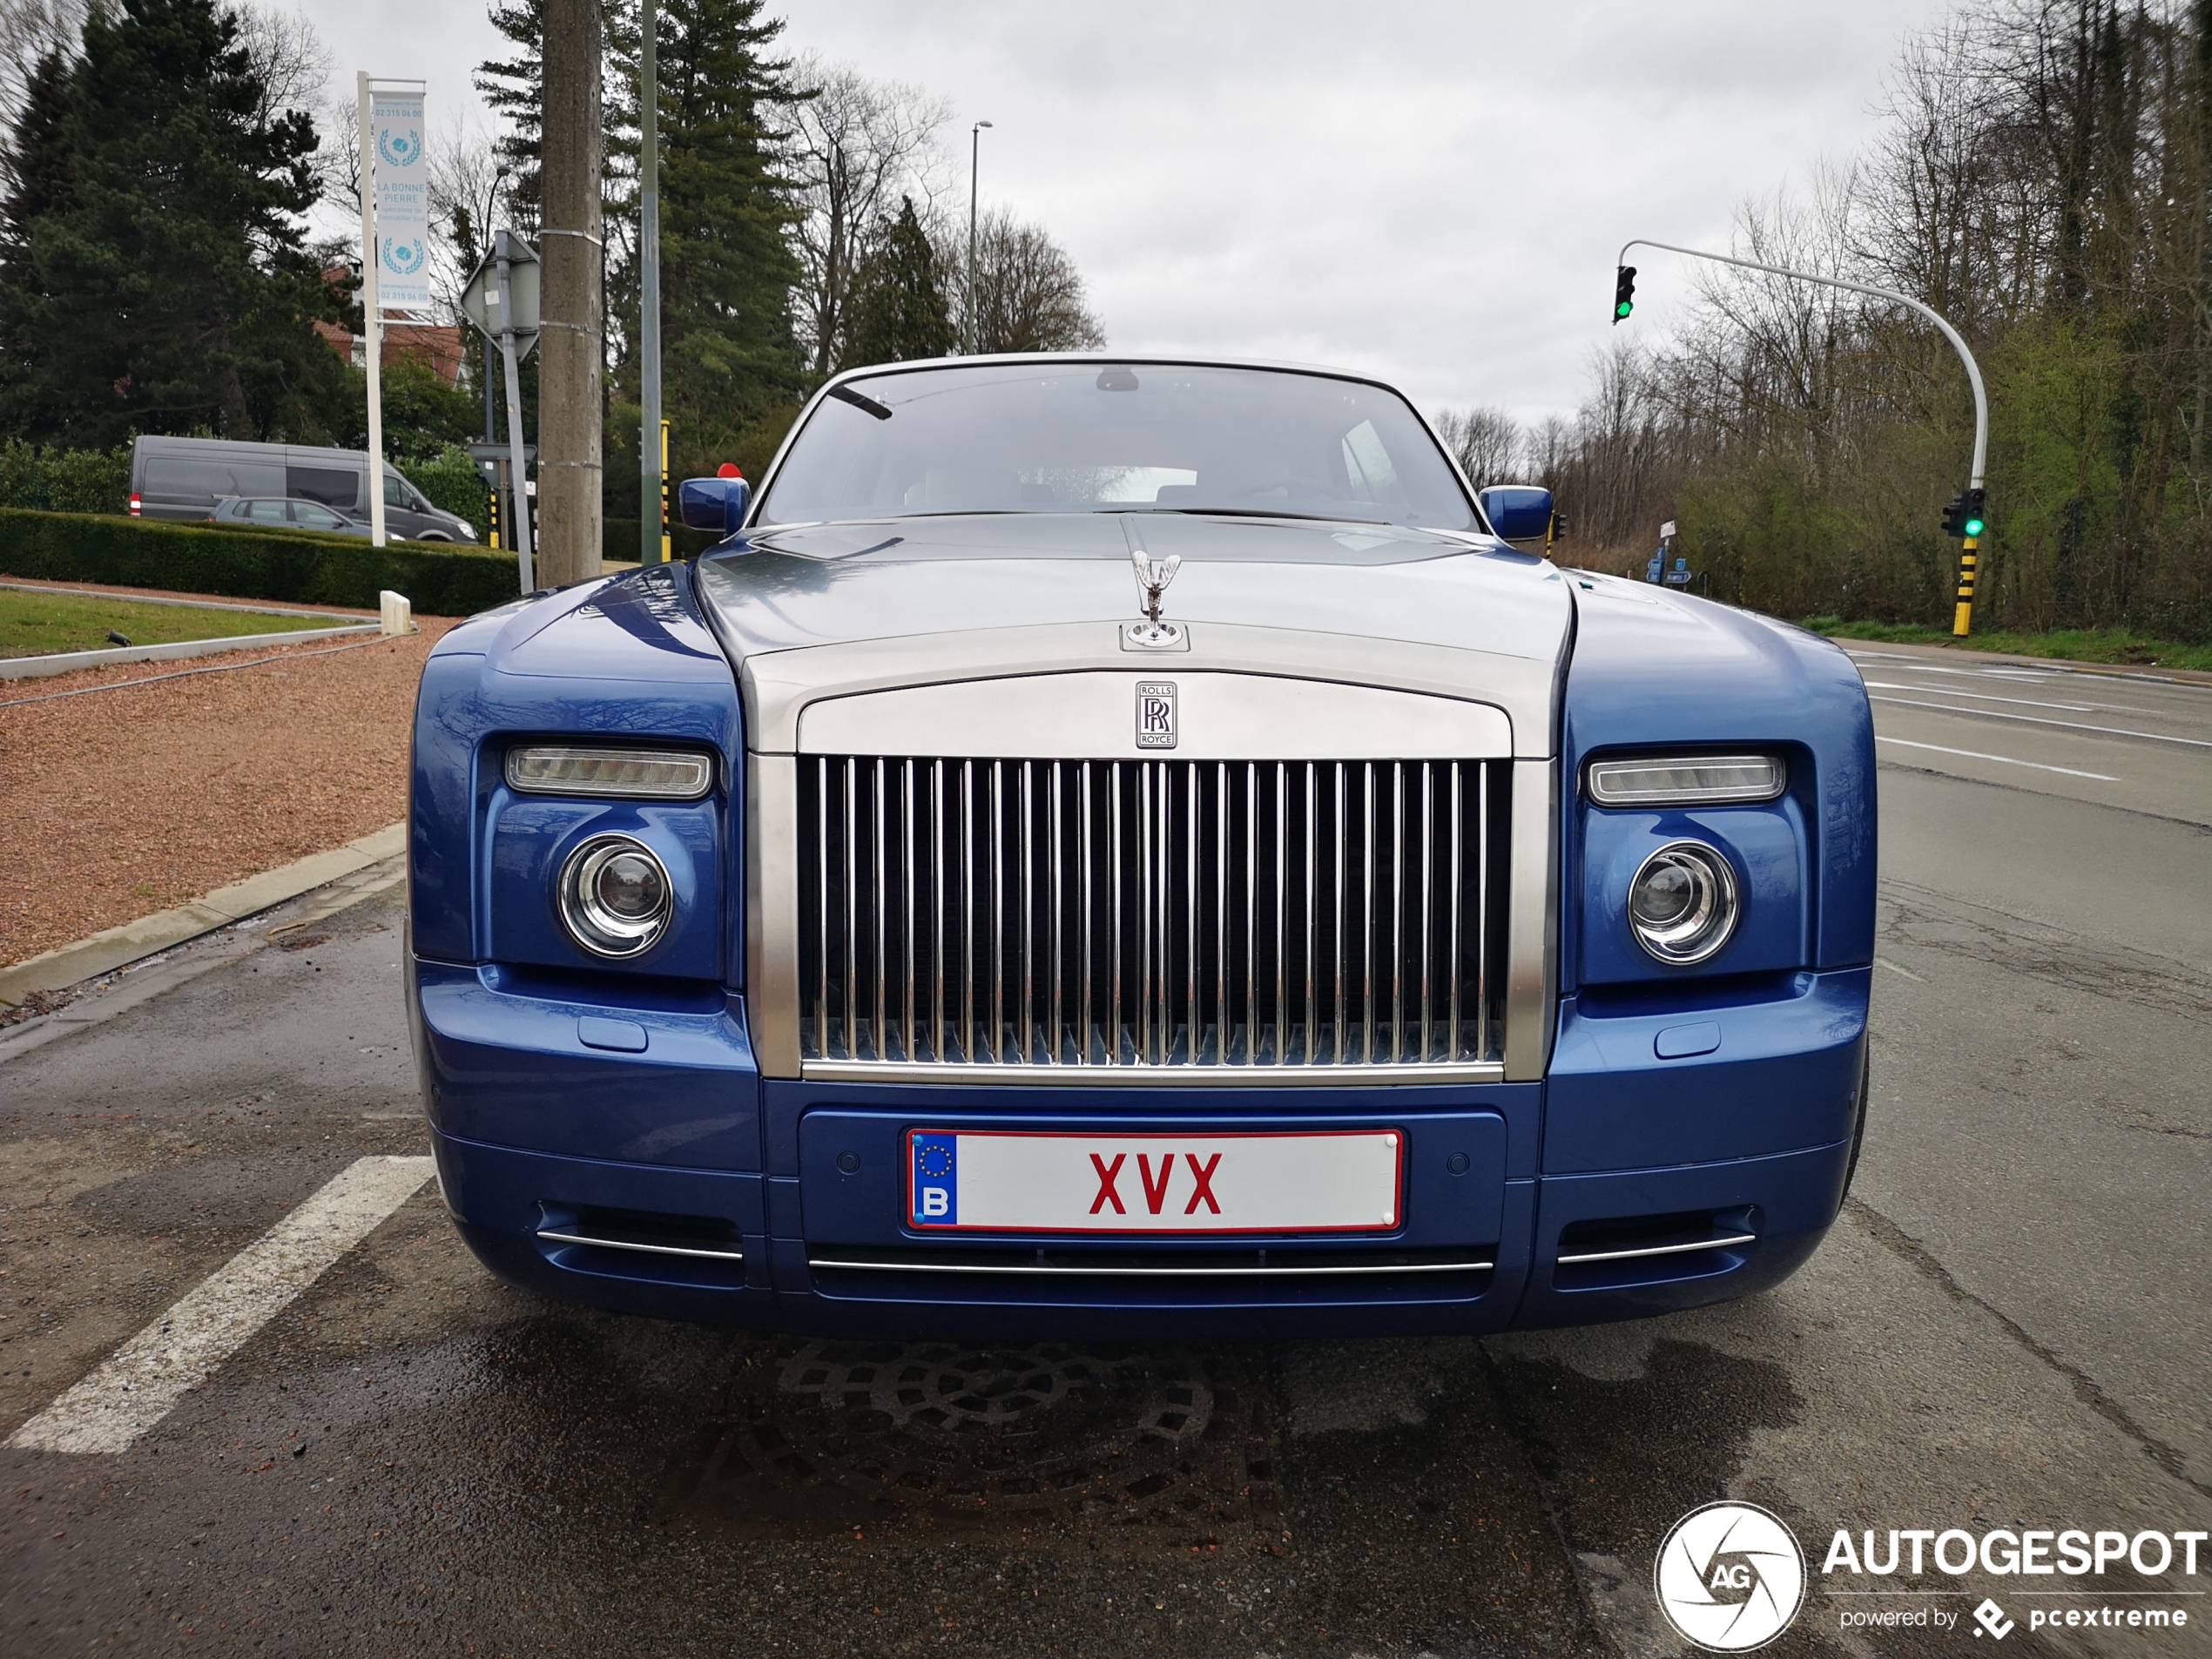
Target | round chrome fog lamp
(616,899)
(1682,905)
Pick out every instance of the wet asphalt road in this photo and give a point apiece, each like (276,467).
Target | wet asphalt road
(2008,1326)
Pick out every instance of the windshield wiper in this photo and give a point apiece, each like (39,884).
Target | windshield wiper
(1246,512)
(861,401)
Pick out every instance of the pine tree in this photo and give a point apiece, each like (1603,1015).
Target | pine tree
(731,361)
(899,308)
(36,167)
(38,170)
(514,87)
(170,288)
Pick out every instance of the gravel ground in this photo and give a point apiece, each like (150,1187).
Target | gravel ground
(132,801)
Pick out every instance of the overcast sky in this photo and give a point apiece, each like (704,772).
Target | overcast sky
(1431,191)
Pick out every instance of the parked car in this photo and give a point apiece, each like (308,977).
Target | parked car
(186,477)
(1131,848)
(281,512)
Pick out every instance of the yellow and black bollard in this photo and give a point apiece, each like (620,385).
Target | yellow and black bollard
(1962,619)
(1964,519)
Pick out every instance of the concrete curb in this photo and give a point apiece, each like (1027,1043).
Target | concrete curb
(26,668)
(107,951)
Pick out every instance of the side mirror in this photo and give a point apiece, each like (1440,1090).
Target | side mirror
(1518,512)
(716,505)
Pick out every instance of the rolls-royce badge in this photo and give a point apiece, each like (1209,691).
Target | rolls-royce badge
(1156,714)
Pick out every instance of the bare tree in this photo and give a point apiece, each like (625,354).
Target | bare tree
(467,183)
(855,148)
(289,59)
(29,30)
(1485,441)
(1028,294)
(338,161)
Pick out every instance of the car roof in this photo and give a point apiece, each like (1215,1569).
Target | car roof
(1162,359)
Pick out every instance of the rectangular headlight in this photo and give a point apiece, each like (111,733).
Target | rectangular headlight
(1686,780)
(636,774)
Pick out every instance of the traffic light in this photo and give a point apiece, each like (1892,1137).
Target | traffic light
(1963,517)
(1624,290)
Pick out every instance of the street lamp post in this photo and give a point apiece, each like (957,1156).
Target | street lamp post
(975,157)
(1963,617)
(649,433)
(483,224)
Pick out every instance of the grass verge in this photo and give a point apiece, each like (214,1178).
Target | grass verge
(40,625)
(2118,646)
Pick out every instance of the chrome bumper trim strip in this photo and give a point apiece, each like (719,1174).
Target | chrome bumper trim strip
(1690,1249)
(553,1238)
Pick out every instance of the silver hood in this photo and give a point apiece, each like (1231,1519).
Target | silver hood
(828,611)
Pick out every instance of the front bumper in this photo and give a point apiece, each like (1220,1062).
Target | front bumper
(631,1157)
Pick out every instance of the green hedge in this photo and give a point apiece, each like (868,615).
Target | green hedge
(247,565)
(618,540)
(66,481)
(453,482)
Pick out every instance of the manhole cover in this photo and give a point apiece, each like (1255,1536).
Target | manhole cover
(1160,1445)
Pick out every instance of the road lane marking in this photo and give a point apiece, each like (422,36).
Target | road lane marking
(2022,702)
(110,1409)
(1973,754)
(2037,719)
(1883,961)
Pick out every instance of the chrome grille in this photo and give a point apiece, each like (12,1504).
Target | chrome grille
(1240,915)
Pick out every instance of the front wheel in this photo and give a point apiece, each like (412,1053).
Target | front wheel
(1859,1129)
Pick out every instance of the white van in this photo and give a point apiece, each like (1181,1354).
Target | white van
(185,477)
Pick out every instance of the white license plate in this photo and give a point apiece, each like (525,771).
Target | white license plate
(1012,1181)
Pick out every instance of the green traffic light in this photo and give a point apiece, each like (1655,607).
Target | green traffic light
(1974,527)
(1622,309)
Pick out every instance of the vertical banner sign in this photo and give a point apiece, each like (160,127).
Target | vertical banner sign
(402,203)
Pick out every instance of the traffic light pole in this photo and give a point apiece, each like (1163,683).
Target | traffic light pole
(1969,559)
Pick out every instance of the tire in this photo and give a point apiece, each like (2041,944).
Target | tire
(1858,1129)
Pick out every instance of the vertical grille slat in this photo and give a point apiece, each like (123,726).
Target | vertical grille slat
(1161,914)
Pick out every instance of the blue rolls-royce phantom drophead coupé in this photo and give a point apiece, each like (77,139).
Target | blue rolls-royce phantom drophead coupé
(1130,848)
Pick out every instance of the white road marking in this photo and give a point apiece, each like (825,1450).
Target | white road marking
(2037,719)
(2022,702)
(109,1410)
(1883,961)
(1972,754)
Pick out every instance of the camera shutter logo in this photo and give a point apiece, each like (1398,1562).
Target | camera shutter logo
(1156,714)
(1730,1577)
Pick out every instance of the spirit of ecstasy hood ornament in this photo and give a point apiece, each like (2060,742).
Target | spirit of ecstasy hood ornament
(1152,578)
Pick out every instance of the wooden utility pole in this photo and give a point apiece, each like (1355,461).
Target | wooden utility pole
(571,346)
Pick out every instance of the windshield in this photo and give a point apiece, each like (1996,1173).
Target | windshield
(1083,437)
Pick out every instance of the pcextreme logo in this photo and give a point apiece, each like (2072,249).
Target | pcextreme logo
(1730,1577)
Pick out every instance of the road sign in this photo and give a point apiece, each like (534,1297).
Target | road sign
(491,457)
(480,299)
